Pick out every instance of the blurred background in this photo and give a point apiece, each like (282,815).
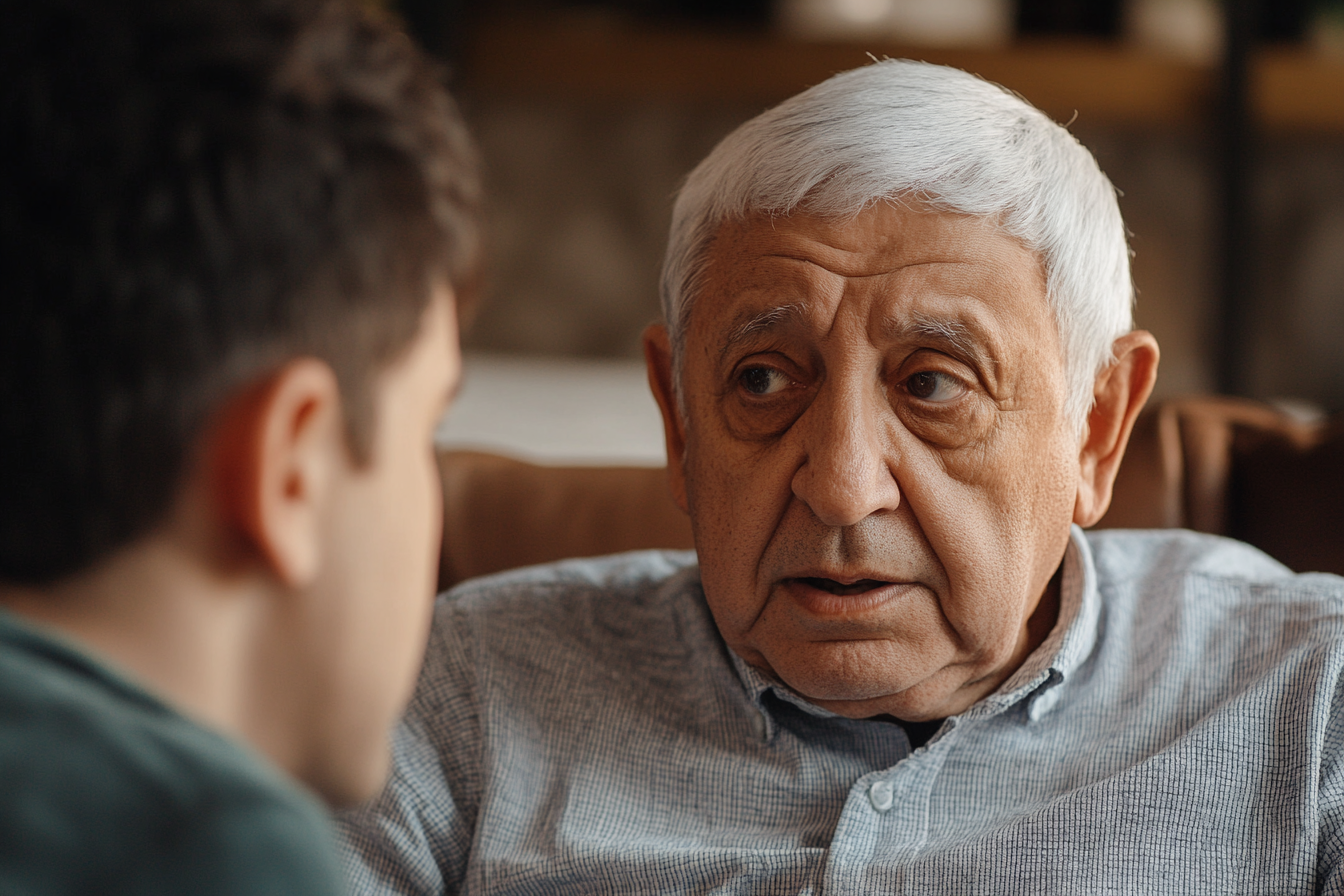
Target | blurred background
(1221,122)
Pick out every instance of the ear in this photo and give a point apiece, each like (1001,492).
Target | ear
(658,356)
(1119,394)
(278,447)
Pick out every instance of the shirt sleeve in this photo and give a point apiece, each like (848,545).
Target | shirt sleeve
(415,837)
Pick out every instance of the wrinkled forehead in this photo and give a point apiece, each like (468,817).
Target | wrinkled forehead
(885,232)
(761,270)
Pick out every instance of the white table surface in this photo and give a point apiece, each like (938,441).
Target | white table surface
(556,411)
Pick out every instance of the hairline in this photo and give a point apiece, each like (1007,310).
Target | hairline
(1043,189)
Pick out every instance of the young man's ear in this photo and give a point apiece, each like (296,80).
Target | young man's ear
(277,449)
(658,355)
(1120,392)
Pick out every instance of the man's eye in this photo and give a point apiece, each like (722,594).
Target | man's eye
(930,385)
(763,380)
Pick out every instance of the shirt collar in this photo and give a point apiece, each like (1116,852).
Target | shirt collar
(1067,645)
(1039,677)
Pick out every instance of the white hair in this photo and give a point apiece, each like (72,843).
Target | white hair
(903,130)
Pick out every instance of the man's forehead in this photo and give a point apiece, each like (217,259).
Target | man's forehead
(888,228)
(789,258)
(941,280)
(963,326)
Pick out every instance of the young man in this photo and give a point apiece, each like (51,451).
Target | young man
(230,231)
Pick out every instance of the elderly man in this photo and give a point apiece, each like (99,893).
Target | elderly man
(897,375)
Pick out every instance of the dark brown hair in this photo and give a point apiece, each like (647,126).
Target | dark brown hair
(193,193)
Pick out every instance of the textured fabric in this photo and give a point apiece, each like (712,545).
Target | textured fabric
(105,790)
(581,728)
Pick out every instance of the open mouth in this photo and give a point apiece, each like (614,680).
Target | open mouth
(831,586)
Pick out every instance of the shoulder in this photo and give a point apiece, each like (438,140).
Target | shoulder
(635,575)
(1219,569)
(539,642)
(524,670)
(562,620)
(1216,602)
(97,768)
(1122,554)
(587,602)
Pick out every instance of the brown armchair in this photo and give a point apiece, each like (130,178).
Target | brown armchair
(1220,465)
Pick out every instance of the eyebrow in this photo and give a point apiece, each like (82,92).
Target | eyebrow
(749,325)
(951,331)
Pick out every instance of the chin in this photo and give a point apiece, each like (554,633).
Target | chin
(858,682)
(837,685)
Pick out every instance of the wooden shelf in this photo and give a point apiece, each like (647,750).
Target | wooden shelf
(1100,82)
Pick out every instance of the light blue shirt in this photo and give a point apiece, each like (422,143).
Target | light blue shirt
(581,728)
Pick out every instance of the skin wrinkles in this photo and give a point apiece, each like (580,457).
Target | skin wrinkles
(760,324)
(953,335)
(860,268)
(877,465)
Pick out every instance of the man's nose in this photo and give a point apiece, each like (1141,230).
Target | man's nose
(846,475)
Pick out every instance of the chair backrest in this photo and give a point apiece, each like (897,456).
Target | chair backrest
(1221,465)
(501,513)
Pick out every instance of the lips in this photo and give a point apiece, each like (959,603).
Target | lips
(847,598)
(841,588)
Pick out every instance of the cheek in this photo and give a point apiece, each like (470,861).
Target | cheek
(403,529)
(423,503)
(735,506)
(998,520)
(408,537)
(420,506)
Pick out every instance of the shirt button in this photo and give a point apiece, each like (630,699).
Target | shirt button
(880,795)
(759,724)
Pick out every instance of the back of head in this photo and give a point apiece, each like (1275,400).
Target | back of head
(195,192)
(936,137)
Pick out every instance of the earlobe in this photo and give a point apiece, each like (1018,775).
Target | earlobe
(276,449)
(658,356)
(1119,395)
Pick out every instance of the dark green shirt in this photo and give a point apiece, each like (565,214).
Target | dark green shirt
(106,790)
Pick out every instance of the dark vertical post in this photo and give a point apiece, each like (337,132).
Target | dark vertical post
(1236,248)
